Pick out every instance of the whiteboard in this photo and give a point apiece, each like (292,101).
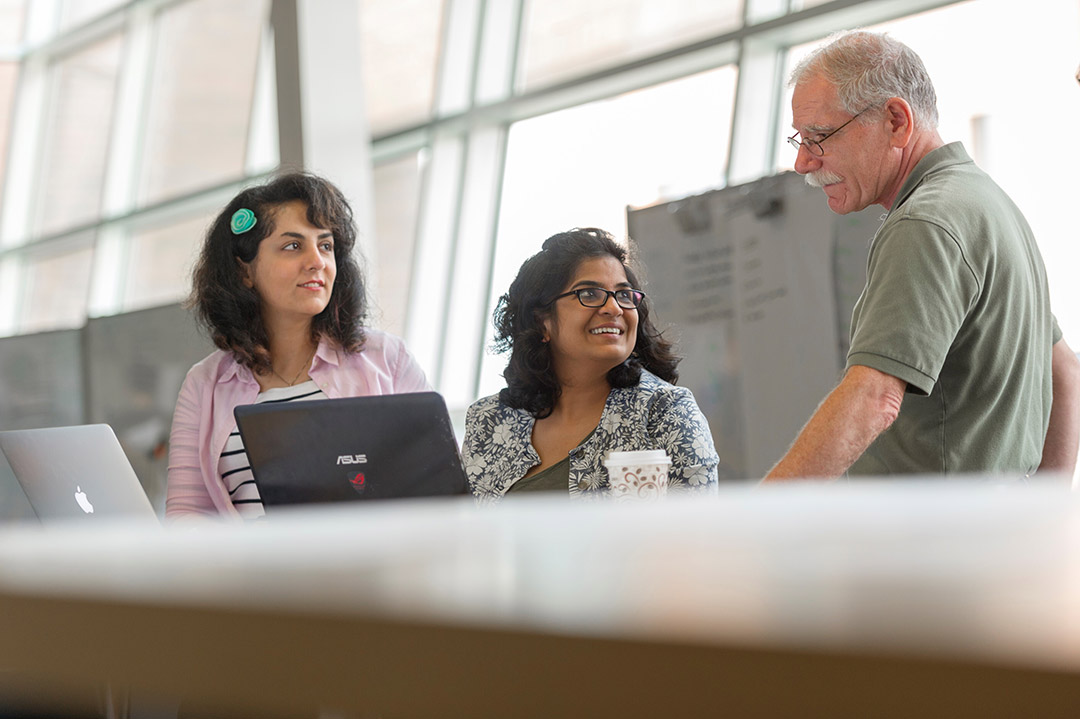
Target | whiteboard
(41,380)
(135,364)
(756,283)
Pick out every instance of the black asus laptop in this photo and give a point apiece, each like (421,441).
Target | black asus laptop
(337,450)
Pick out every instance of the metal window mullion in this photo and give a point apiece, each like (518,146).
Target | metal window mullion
(130,113)
(11,273)
(754,122)
(457,72)
(261,153)
(496,61)
(112,243)
(24,151)
(440,198)
(465,314)
(431,292)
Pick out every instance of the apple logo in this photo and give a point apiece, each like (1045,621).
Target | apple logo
(84,503)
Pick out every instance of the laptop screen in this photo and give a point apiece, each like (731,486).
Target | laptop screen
(356,448)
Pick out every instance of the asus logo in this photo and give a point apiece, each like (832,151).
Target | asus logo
(352,459)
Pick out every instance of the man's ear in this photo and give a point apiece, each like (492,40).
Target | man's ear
(244,268)
(900,121)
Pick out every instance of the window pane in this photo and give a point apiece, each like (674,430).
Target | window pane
(582,166)
(76,137)
(399,48)
(74,12)
(1014,111)
(397,203)
(159,268)
(56,289)
(201,94)
(9,75)
(564,38)
(12,13)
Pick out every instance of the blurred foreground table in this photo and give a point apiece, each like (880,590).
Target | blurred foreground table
(924,599)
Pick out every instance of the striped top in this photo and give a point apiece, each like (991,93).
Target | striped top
(234,467)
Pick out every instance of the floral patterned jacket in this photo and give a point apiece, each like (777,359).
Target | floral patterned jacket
(654,414)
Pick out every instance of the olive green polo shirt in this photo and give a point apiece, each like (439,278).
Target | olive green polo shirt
(956,305)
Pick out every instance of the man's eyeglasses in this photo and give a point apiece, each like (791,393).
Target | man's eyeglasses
(814,146)
(598,297)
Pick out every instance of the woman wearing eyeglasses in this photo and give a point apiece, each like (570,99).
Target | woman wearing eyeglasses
(588,374)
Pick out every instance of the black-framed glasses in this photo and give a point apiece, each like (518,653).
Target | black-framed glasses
(814,146)
(597,297)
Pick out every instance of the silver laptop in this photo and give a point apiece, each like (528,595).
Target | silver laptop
(76,473)
(14,506)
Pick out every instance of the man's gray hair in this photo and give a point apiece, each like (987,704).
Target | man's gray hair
(867,69)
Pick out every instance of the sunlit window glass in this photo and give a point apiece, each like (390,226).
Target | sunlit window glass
(397,200)
(582,167)
(201,95)
(563,38)
(56,286)
(9,75)
(76,138)
(399,50)
(159,266)
(73,12)
(986,98)
(12,14)
(797,5)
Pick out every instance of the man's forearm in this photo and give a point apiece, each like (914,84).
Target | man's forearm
(861,407)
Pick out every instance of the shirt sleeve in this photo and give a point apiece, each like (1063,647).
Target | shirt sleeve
(919,290)
(407,374)
(472,454)
(678,426)
(187,494)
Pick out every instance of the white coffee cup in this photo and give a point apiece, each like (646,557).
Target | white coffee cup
(638,475)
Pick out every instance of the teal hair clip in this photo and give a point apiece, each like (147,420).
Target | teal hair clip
(242,221)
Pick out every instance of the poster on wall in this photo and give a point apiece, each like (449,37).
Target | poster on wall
(756,284)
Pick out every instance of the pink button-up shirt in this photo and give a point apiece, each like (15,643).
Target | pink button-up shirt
(204,418)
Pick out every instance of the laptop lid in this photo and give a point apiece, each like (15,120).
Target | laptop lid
(76,472)
(14,506)
(356,448)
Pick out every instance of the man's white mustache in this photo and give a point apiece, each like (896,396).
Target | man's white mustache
(822,178)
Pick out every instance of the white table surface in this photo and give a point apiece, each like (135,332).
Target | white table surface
(910,598)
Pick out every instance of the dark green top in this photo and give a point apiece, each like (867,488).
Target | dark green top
(555,478)
(956,305)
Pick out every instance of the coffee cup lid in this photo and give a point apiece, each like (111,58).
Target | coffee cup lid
(641,456)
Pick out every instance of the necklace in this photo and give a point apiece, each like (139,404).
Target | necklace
(303,367)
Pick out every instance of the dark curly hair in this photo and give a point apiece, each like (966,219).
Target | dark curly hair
(230,311)
(519,323)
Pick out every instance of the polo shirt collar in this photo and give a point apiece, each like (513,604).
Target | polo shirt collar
(944,156)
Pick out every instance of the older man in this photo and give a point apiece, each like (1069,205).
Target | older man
(956,364)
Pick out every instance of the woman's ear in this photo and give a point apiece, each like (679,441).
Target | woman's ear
(546,321)
(244,268)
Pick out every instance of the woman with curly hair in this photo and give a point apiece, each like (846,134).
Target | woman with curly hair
(588,374)
(278,290)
